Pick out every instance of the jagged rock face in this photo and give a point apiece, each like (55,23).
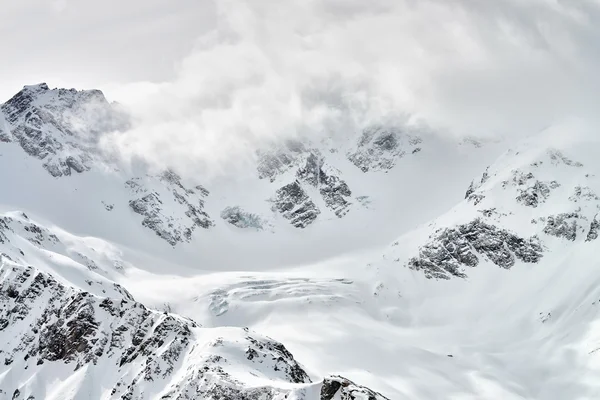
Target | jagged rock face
(531,192)
(43,321)
(242,219)
(377,149)
(311,168)
(172,228)
(583,194)
(63,128)
(450,250)
(557,158)
(59,126)
(335,192)
(337,387)
(564,225)
(294,204)
(380,148)
(471,194)
(593,232)
(274,162)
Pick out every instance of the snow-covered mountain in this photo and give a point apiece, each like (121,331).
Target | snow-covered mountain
(417,265)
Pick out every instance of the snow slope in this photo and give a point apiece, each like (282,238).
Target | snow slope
(419,266)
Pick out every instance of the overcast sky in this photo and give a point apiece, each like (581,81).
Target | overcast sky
(85,43)
(204,78)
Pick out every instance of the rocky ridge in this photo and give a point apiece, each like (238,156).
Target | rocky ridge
(450,250)
(44,322)
(59,126)
(503,197)
(62,128)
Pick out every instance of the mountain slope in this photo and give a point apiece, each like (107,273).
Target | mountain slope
(421,266)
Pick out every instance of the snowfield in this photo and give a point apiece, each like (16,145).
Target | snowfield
(397,264)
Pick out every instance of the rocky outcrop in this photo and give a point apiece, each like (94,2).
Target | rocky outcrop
(533,195)
(335,191)
(557,158)
(43,321)
(563,225)
(136,352)
(337,387)
(450,250)
(594,228)
(583,194)
(242,219)
(274,162)
(292,202)
(59,126)
(380,148)
(531,191)
(472,193)
(172,225)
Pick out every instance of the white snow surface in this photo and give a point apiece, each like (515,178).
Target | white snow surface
(339,293)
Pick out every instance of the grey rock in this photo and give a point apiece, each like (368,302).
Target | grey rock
(531,191)
(292,202)
(337,387)
(563,225)
(557,158)
(274,162)
(379,148)
(594,228)
(150,206)
(583,193)
(52,130)
(450,250)
(67,326)
(242,219)
(471,193)
(335,191)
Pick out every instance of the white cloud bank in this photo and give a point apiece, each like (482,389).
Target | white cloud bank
(279,69)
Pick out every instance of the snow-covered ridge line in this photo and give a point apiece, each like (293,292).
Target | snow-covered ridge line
(51,331)
(512,212)
(62,128)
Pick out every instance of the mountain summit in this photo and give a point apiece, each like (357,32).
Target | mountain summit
(417,265)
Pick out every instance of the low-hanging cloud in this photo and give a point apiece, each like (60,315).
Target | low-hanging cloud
(274,70)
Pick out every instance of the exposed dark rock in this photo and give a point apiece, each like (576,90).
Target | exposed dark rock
(450,250)
(563,225)
(583,193)
(531,192)
(166,226)
(294,204)
(77,328)
(274,162)
(557,157)
(379,148)
(334,191)
(337,387)
(594,228)
(52,129)
(472,194)
(242,219)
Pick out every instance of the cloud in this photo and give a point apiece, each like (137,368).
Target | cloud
(87,43)
(272,70)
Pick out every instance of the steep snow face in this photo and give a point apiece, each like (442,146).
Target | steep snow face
(69,331)
(60,127)
(141,353)
(129,283)
(506,281)
(322,188)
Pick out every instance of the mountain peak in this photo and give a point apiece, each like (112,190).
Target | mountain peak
(39,87)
